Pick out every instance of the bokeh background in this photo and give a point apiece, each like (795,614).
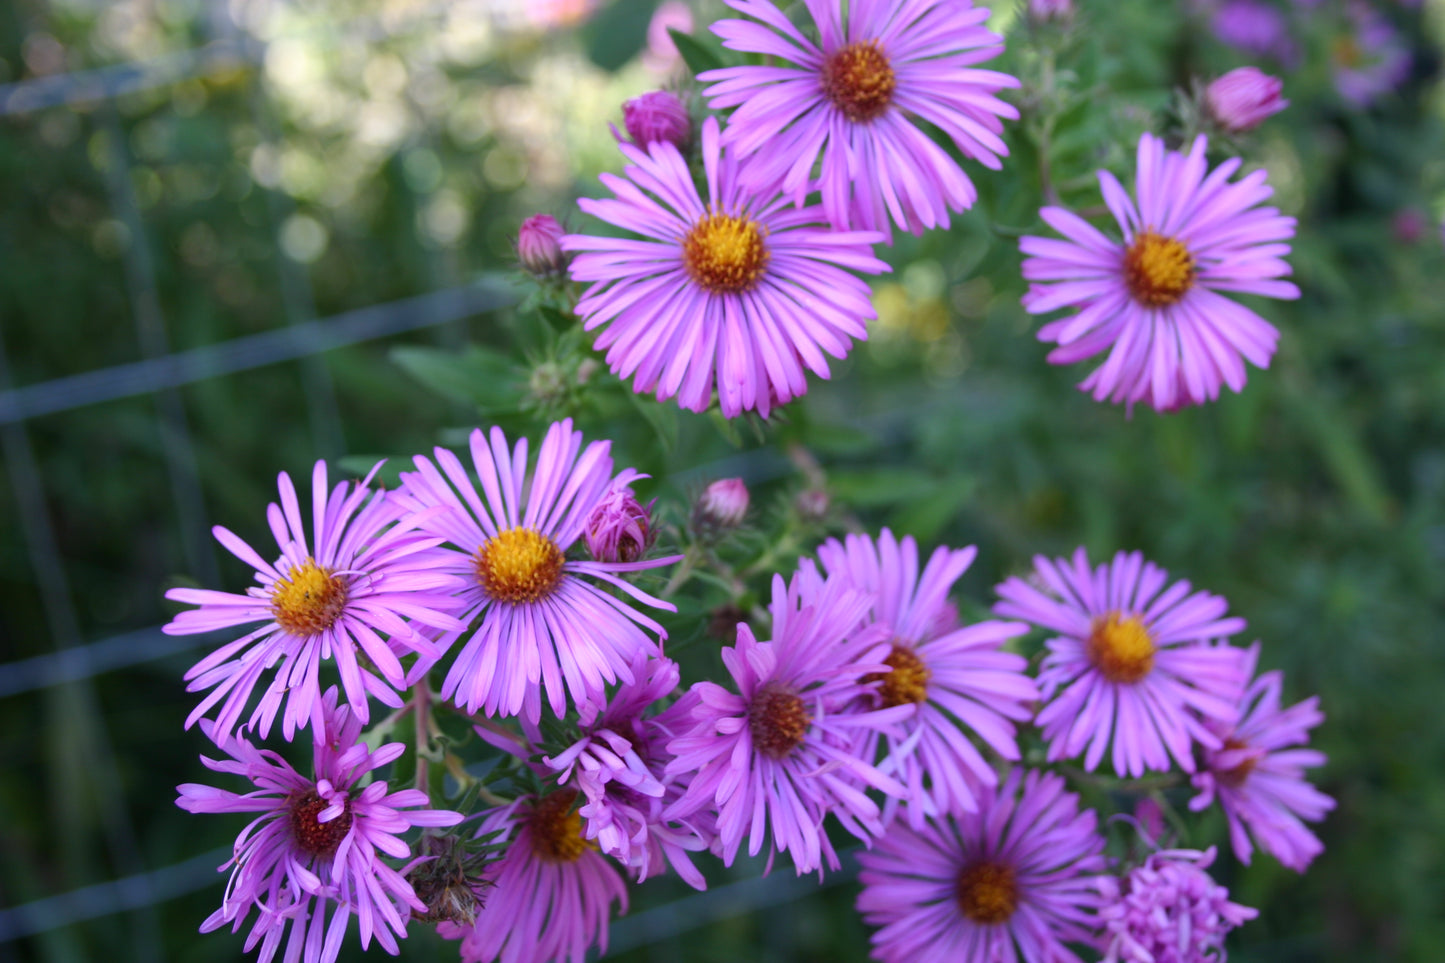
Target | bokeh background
(236,237)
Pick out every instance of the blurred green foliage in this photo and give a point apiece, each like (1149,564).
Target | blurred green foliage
(375,151)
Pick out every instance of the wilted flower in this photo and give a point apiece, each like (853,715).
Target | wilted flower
(538,248)
(620,529)
(723,504)
(658,116)
(448,879)
(1168,910)
(1241,99)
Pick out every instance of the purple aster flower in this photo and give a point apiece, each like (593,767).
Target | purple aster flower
(365,572)
(1153,300)
(1254,28)
(618,765)
(552,892)
(856,99)
(778,756)
(952,680)
(1368,56)
(544,626)
(620,529)
(315,842)
(1131,663)
(1168,911)
(740,289)
(1259,781)
(1013,881)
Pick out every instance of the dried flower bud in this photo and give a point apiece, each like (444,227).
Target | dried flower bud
(539,246)
(449,881)
(620,529)
(722,623)
(722,505)
(657,116)
(1243,98)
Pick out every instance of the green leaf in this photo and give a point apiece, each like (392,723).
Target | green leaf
(881,486)
(618,32)
(661,416)
(477,376)
(699,55)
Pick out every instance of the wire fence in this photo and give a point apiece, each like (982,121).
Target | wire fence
(160,374)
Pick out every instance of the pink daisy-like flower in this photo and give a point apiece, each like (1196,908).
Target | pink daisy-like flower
(618,765)
(1132,664)
(1259,781)
(741,290)
(543,625)
(365,572)
(1153,299)
(953,680)
(1369,57)
(1168,910)
(551,893)
(315,842)
(778,756)
(1013,881)
(856,98)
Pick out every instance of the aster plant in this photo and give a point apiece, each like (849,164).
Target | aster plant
(588,688)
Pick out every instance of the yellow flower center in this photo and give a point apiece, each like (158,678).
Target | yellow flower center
(519,565)
(308,600)
(1120,648)
(312,835)
(987,893)
(907,684)
(1346,51)
(725,254)
(557,829)
(860,81)
(1158,270)
(778,720)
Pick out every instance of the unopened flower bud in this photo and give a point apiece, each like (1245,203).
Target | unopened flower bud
(1243,98)
(539,246)
(812,504)
(620,529)
(548,383)
(1043,11)
(657,116)
(722,505)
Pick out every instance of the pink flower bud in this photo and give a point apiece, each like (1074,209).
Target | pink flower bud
(723,504)
(657,116)
(1045,10)
(539,248)
(619,529)
(1243,98)
(812,504)
(1151,818)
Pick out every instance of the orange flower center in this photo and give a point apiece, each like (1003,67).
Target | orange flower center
(907,684)
(1158,270)
(860,81)
(778,720)
(988,893)
(519,565)
(557,829)
(308,600)
(1120,647)
(312,835)
(725,254)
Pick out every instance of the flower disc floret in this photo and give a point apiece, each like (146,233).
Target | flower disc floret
(859,80)
(1159,270)
(725,253)
(778,720)
(519,565)
(988,893)
(906,682)
(1120,647)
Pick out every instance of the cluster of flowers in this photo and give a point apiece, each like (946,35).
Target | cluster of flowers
(869,702)
(739,288)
